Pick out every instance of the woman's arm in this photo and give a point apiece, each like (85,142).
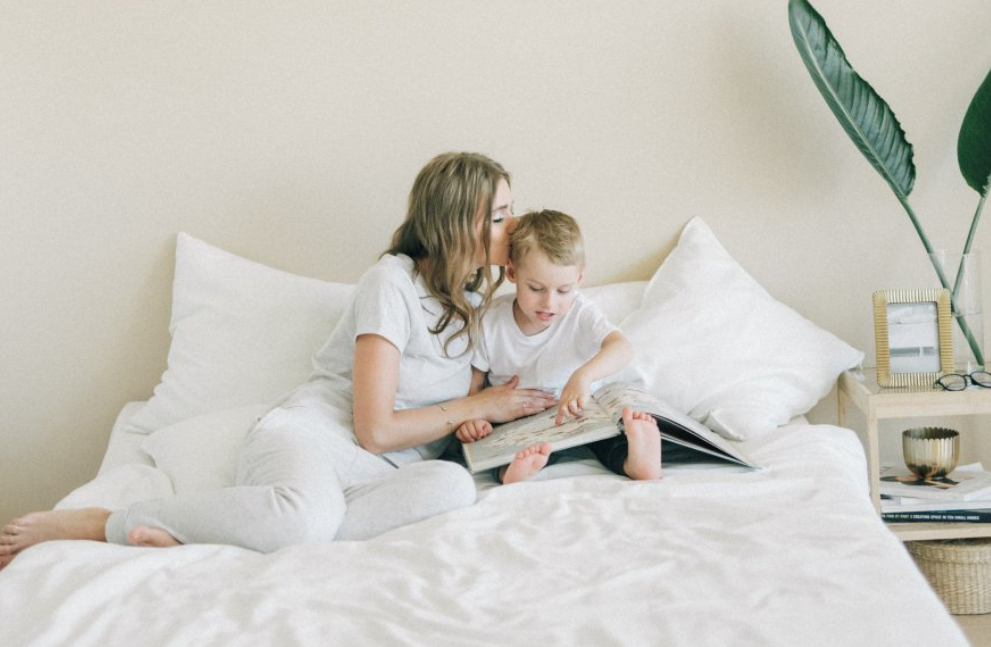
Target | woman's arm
(380,428)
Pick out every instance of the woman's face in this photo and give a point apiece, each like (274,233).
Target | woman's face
(503,224)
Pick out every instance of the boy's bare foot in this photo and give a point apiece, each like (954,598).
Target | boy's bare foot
(643,458)
(37,527)
(151,538)
(527,463)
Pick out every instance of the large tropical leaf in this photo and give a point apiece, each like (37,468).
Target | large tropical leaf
(974,144)
(865,116)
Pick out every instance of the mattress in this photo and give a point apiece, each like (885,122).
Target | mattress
(713,554)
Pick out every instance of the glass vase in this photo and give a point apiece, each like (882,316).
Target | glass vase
(963,276)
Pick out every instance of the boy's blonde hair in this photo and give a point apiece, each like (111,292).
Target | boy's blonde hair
(442,225)
(554,233)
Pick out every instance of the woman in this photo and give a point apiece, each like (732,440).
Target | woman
(348,454)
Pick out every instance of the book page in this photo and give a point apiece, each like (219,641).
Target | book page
(614,396)
(499,447)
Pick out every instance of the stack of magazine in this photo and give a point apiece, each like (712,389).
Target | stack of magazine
(964,496)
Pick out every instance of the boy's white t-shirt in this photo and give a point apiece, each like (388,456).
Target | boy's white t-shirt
(391,300)
(545,360)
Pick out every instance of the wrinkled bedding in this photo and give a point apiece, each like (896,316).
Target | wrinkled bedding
(792,554)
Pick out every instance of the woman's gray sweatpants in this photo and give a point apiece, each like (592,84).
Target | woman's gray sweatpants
(302,478)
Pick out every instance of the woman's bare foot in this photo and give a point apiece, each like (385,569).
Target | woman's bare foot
(643,458)
(151,538)
(37,527)
(527,463)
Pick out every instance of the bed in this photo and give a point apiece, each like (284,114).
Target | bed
(713,554)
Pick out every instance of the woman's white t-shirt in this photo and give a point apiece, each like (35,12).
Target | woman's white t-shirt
(392,301)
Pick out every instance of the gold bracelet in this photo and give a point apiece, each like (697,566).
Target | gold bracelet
(444,409)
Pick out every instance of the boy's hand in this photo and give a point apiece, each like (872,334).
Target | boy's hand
(473,430)
(574,397)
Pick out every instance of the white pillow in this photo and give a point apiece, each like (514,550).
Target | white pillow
(118,488)
(713,343)
(242,333)
(616,300)
(202,453)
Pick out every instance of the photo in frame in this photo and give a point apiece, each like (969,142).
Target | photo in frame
(913,330)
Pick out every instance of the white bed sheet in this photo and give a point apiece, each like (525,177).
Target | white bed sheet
(790,555)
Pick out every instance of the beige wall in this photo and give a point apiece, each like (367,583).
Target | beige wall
(290,132)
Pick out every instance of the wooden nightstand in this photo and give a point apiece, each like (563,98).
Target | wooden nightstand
(877,403)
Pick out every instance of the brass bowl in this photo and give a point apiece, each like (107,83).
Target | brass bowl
(931,452)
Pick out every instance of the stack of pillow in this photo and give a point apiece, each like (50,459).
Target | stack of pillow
(710,340)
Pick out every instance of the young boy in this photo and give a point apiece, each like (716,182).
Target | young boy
(552,338)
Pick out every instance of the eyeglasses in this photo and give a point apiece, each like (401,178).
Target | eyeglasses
(958,382)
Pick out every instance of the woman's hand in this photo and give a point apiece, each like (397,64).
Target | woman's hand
(473,430)
(574,397)
(506,402)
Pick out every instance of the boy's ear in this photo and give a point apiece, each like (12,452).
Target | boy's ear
(511,272)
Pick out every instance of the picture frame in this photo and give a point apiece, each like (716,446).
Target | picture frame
(913,330)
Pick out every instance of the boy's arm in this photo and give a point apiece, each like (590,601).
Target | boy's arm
(477,381)
(614,354)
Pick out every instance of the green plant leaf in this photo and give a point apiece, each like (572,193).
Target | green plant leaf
(974,143)
(864,115)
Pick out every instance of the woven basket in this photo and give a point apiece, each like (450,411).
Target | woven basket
(959,570)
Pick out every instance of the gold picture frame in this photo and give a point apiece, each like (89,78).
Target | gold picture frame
(914,334)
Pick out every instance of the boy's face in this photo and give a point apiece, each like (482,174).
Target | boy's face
(544,291)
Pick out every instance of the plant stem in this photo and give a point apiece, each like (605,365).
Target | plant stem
(970,241)
(973,224)
(975,347)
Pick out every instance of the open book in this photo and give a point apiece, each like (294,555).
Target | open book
(602,418)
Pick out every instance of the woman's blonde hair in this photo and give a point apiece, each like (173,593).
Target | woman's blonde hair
(554,233)
(442,226)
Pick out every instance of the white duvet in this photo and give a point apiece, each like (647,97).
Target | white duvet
(789,555)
